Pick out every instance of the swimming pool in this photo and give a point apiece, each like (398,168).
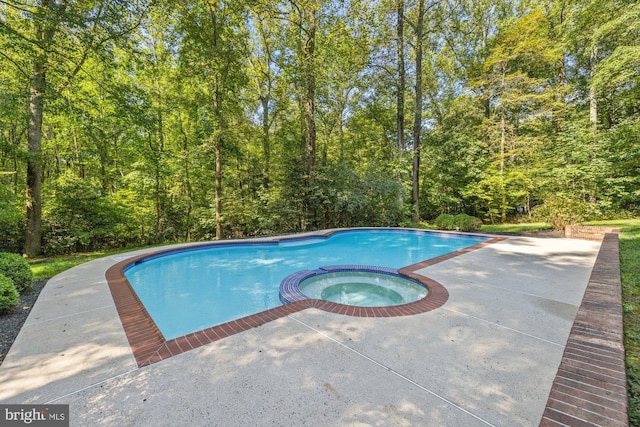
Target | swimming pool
(190,289)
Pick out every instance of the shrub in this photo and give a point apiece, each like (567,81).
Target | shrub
(8,294)
(462,222)
(560,211)
(12,223)
(465,222)
(17,269)
(445,222)
(79,217)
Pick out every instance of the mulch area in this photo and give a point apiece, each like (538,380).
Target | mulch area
(11,323)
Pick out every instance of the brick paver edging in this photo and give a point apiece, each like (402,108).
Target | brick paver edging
(590,385)
(588,232)
(149,345)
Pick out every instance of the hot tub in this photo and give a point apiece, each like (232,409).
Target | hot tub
(362,286)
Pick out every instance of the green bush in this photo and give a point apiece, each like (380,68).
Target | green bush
(17,269)
(445,222)
(9,296)
(560,210)
(79,217)
(12,221)
(464,222)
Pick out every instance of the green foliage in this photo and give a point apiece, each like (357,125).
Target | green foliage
(12,225)
(461,222)
(153,123)
(621,185)
(79,218)
(466,222)
(619,70)
(9,296)
(12,217)
(364,198)
(17,269)
(445,222)
(455,157)
(560,210)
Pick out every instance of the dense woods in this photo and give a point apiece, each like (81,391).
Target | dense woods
(140,122)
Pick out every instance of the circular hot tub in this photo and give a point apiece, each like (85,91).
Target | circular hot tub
(357,292)
(361,286)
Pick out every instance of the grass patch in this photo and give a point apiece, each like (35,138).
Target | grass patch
(45,268)
(630,275)
(515,228)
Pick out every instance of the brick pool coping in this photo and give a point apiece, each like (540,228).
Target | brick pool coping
(590,387)
(149,346)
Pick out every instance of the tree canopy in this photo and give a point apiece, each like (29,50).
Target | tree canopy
(145,122)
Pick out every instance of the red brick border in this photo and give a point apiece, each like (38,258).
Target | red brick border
(588,232)
(590,388)
(149,345)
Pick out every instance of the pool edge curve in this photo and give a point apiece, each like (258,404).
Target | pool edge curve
(149,346)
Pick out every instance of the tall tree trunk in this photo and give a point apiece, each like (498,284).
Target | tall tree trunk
(593,104)
(264,83)
(158,178)
(308,106)
(593,113)
(266,143)
(160,187)
(44,30)
(33,238)
(219,127)
(561,89)
(401,77)
(310,93)
(503,143)
(417,120)
(218,141)
(218,195)
(187,179)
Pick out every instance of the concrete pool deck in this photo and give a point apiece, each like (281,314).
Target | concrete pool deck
(489,356)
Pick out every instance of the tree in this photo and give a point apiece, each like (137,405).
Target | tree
(616,79)
(417,118)
(48,14)
(57,38)
(517,73)
(400,95)
(212,54)
(420,33)
(216,118)
(264,71)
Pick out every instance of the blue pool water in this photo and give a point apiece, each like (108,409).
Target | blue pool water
(188,290)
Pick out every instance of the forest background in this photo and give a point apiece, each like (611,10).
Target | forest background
(151,121)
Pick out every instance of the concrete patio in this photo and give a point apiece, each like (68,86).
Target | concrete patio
(488,356)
